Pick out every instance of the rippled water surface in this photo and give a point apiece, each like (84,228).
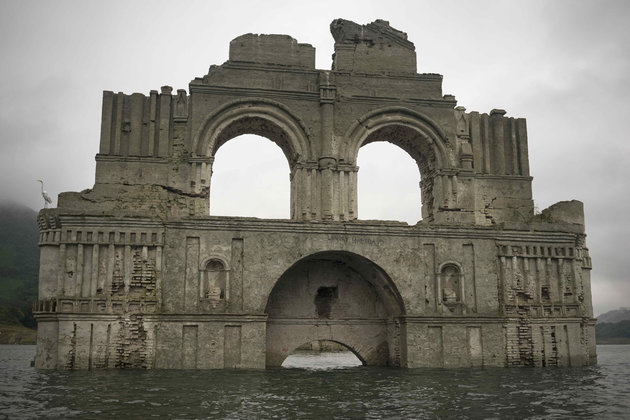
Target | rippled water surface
(308,391)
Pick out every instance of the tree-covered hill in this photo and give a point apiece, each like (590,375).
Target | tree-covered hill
(613,332)
(19,264)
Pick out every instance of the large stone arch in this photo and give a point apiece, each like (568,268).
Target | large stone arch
(337,296)
(416,134)
(430,132)
(254,116)
(262,117)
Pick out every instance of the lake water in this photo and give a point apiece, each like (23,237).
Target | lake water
(309,390)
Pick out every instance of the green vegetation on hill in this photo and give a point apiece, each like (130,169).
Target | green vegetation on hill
(607,330)
(613,333)
(19,264)
(17,334)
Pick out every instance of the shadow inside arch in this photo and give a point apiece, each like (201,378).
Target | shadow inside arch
(340,294)
(260,117)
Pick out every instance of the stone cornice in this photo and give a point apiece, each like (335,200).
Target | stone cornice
(256,92)
(249,66)
(193,318)
(436,103)
(110,222)
(338,231)
(120,158)
(319,321)
(426,77)
(471,320)
(505,177)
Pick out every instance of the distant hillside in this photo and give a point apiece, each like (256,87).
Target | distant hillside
(618,315)
(613,333)
(19,264)
(17,334)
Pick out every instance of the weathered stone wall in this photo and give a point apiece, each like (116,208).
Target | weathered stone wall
(135,274)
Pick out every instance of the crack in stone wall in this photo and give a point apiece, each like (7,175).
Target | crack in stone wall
(72,354)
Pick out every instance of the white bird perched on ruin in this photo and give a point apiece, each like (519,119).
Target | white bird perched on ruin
(47,199)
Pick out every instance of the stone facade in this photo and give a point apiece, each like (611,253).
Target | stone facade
(136,274)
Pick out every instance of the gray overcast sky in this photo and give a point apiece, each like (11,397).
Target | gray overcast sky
(563,65)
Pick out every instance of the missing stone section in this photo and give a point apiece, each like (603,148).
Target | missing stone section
(326,297)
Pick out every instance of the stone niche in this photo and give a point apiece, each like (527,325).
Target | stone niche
(135,272)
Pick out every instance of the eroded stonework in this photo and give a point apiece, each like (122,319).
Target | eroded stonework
(136,274)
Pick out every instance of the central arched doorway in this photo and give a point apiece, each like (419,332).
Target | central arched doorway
(337,296)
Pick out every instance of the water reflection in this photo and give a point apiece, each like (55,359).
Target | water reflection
(321,360)
(308,392)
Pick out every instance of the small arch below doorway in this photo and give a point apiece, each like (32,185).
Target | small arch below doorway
(322,355)
(342,295)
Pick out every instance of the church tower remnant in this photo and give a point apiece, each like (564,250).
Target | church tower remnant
(135,273)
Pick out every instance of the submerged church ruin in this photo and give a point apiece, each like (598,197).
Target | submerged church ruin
(135,272)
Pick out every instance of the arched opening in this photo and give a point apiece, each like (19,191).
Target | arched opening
(250,177)
(388,184)
(420,138)
(322,354)
(336,296)
(451,284)
(213,285)
(420,150)
(451,287)
(257,117)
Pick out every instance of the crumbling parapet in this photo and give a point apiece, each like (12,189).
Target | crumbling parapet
(158,150)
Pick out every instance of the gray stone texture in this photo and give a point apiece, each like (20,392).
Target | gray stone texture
(136,274)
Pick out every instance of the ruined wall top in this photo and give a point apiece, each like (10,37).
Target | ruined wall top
(272,49)
(372,48)
(157,151)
